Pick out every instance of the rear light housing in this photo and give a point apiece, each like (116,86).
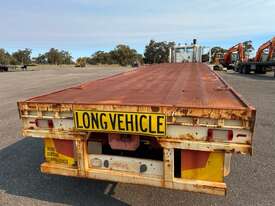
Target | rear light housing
(219,135)
(44,123)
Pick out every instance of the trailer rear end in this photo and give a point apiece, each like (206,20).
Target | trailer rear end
(169,125)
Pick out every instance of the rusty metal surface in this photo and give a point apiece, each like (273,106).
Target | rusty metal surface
(181,85)
(213,188)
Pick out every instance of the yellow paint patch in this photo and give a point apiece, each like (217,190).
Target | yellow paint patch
(212,171)
(51,155)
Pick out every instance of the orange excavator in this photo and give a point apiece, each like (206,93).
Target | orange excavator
(234,57)
(264,59)
(270,45)
(228,62)
(259,64)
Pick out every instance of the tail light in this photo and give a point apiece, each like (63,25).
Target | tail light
(210,134)
(44,123)
(219,135)
(230,135)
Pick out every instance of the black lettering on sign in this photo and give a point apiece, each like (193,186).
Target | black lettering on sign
(86,120)
(159,124)
(103,124)
(136,121)
(120,121)
(150,125)
(77,121)
(113,120)
(94,119)
(129,122)
(140,123)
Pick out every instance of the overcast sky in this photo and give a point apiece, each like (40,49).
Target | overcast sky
(85,26)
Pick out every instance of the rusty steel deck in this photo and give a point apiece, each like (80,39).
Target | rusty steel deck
(188,85)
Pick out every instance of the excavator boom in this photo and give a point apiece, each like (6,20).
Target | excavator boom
(270,45)
(237,48)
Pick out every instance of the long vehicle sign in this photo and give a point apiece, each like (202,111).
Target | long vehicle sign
(121,122)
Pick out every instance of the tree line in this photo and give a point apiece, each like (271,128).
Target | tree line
(23,57)
(18,57)
(155,52)
(121,54)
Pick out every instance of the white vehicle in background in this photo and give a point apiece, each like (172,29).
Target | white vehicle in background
(189,53)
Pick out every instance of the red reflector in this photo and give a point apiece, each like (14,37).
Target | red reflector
(229,135)
(37,123)
(209,134)
(50,123)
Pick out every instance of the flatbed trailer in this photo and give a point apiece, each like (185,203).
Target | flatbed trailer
(167,125)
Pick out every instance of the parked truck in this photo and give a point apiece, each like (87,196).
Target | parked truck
(188,53)
(167,125)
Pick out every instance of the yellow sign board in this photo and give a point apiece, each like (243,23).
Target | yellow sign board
(121,122)
(53,155)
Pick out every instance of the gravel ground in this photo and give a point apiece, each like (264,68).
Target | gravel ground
(251,182)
